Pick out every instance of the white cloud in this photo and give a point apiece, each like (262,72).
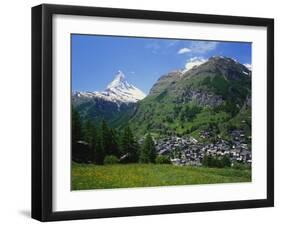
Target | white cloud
(194,61)
(202,46)
(249,66)
(184,50)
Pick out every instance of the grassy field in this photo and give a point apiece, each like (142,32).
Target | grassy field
(88,176)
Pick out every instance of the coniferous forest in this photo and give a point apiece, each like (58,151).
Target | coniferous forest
(100,144)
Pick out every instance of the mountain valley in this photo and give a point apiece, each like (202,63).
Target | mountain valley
(213,98)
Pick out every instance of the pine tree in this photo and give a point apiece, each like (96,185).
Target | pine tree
(87,131)
(148,150)
(105,138)
(90,136)
(99,151)
(114,146)
(124,142)
(76,126)
(80,151)
(128,145)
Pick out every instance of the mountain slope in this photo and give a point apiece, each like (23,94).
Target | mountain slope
(115,104)
(206,97)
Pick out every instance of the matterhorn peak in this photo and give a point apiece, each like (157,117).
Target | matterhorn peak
(118,90)
(119,81)
(119,75)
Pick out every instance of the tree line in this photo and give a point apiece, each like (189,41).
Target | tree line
(218,162)
(98,144)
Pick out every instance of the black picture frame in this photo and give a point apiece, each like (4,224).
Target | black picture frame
(42,111)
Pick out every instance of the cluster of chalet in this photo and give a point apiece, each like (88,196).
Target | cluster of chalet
(189,151)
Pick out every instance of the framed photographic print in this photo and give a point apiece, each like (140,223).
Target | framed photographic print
(145,112)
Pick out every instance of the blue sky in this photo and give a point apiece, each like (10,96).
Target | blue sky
(96,59)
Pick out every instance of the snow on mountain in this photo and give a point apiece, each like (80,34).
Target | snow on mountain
(249,66)
(119,91)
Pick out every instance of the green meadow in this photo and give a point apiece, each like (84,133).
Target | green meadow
(90,176)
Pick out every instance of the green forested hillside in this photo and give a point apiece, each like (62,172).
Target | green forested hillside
(215,97)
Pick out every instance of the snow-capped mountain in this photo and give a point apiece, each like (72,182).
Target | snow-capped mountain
(118,91)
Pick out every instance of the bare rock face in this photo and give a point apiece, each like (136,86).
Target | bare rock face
(201,98)
(206,99)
